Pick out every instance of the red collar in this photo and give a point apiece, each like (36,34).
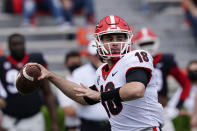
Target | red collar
(157,58)
(105,70)
(18,64)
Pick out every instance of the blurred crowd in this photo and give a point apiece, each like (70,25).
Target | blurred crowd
(52,110)
(61,10)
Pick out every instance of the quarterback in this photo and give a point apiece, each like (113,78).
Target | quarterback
(125,84)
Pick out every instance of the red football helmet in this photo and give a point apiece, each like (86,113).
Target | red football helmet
(108,25)
(147,40)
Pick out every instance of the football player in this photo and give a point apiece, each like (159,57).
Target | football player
(73,60)
(125,84)
(165,65)
(192,73)
(90,119)
(22,112)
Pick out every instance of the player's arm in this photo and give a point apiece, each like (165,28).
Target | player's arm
(48,95)
(136,81)
(66,86)
(183,80)
(50,103)
(70,89)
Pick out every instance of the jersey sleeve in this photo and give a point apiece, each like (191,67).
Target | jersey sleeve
(137,75)
(182,79)
(139,59)
(171,60)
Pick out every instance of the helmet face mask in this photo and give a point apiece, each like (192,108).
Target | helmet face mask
(109,50)
(113,25)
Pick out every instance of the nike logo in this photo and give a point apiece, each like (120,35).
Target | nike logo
(113,74)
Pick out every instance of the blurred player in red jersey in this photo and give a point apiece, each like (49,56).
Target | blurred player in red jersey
(189,105)
(147,40)
(165,65)
(125,84)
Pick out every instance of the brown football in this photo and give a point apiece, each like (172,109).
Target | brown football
(27,80)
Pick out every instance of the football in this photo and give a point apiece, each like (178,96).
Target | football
(27,80)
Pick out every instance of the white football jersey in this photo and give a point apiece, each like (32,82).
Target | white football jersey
(134,115)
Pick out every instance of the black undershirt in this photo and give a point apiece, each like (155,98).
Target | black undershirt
(138,75)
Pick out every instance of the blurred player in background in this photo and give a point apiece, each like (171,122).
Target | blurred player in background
(73,60)
(165,65)
(192,73)
(126,84)
(22,112)
(86,74)
(189,106)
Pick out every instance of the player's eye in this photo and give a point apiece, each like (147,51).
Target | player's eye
(120,39)
(109,39)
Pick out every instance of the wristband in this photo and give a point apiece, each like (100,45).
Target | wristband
(90,101)
(111,95)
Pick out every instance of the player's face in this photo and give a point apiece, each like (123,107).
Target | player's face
(193,67)
(17,49)
(73,63)
(114,42)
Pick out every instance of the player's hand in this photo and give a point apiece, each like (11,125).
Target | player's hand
(86,91)
(44,72)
